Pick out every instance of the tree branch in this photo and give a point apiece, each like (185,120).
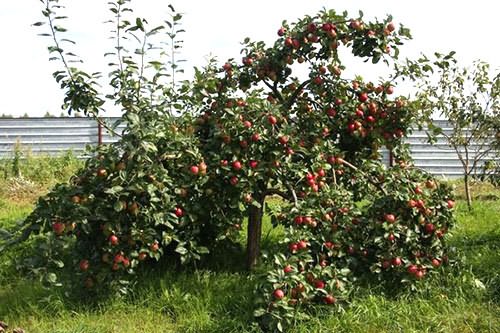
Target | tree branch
(274,191)
(296,93)
(274,89)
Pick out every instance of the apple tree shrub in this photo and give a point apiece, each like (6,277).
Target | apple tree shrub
(315,141)
(135,200)
(282,121)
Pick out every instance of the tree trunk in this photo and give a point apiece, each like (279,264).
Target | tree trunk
(467,191)
(254,232)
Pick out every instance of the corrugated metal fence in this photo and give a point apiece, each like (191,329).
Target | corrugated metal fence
(54,135)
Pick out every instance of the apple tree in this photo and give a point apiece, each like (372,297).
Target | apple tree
(469,99)
(249,129)
(315,141)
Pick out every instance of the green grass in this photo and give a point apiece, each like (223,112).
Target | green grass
(464,298)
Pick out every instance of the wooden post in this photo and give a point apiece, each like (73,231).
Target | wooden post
(99,133)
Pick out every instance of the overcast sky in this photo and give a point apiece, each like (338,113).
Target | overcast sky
(216,28)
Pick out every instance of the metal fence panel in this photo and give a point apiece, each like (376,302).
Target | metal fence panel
(56,135)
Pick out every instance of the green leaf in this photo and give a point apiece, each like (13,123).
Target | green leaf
(51,278)
(181,250)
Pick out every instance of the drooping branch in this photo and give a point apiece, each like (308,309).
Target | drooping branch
(274,191)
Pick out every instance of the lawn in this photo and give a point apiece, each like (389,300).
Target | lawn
(219,298)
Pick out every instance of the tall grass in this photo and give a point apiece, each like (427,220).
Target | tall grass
(217,295)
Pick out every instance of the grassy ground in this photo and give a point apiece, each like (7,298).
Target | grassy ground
(465,298)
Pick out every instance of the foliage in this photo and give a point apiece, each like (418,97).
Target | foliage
(469,98)
(45,170)
(218,296)
(179,187)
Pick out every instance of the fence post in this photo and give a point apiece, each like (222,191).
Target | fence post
(99,133)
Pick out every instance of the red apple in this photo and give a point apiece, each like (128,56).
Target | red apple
(281,31)
(328,245)
(58,228)
(329,299)
(429,228)
(363,97)
(331,112)
(321,172)
(302,244)
(391,238)
(234,180)
(101,172)
(319,284)
(283,139)
(450,204)
(255,137)
(194,169)
(390,27)
(125,262)
(237,165)
(247,124)
(243,143)
(113,240)
(247,61)
(154,247)
(272,120)
(178,212)
(356,24)
(412,269)
(278,294)
(436,263)
(84,265)
(288,269)
(142,256)
(118,258)
(75,199)
(253,164)
(396,261)
(390,218)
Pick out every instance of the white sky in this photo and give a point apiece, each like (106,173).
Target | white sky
(217,27)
